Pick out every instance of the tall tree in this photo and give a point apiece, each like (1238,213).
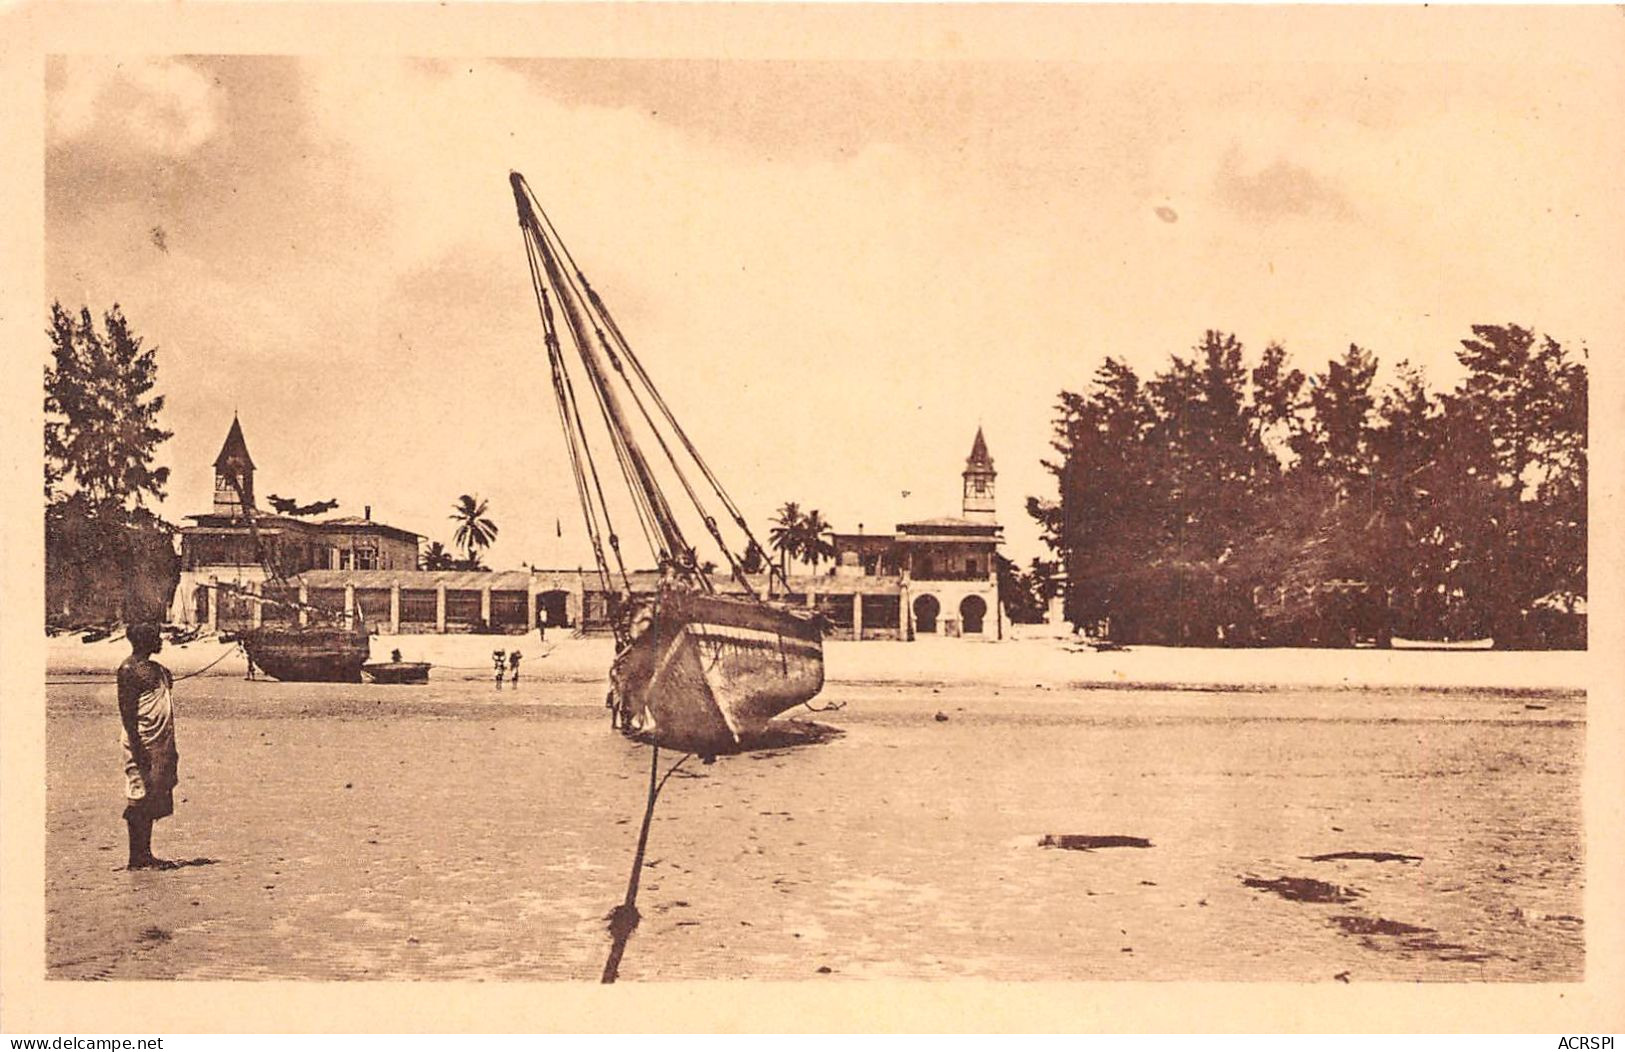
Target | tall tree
(101,417)
(1277,402)
(1413,549)
(107,556)
(1519,429)
(817,539)
(475,530)
(435,557)
(1109,512)
(1337,445)
(1210,453)
(786,534)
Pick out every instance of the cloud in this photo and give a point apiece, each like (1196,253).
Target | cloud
(149,106)
(1277,190)
(343,262)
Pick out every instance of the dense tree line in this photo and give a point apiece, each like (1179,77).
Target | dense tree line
(107,556)
(1236,501)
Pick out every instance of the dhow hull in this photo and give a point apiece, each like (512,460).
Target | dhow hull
(307,655)
(708,672)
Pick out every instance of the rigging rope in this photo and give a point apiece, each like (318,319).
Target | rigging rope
(638,473)
(554,268)
(563,402)
(596,305)
(682,435)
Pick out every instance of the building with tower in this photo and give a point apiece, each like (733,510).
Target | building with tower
(218,547)
(946,579)
(927,578)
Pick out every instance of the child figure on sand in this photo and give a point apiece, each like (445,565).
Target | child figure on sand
(513,667)
(499,662)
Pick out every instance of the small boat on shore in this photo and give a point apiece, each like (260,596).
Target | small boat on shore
(397,671)
(1442,644)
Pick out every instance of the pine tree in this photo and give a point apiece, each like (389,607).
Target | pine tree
(101,417)
(107,557)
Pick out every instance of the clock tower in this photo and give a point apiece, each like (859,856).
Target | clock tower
(979,475)
(233,461)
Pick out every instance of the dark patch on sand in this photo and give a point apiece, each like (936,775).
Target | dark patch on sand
(1376,926)
(1367,856)
(1303,889)
(1085,842)
(1406,937)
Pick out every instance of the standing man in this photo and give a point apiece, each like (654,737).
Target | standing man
(151,762)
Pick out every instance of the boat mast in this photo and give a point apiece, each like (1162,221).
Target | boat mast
(672,543)
(271,572)
(554,271)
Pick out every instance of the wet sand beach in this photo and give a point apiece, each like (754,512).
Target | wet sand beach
(452,832)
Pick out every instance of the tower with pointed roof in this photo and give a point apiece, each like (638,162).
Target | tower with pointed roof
(233,461)
(979,475)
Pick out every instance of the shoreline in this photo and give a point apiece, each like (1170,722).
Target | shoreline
(1044,663)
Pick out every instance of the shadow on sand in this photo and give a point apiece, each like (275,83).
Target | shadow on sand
(776,737)
(165,864)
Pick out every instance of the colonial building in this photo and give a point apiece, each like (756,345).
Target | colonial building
(218,548)
(932,577)
(945,580)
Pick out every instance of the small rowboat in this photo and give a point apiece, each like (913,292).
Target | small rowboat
(1443,644)
(397,671)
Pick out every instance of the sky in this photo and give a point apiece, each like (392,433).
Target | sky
(835,270)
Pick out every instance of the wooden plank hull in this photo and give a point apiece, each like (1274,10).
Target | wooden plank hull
(307,655)
(708,671)
(397,671)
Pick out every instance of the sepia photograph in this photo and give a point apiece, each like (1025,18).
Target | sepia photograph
(840,497)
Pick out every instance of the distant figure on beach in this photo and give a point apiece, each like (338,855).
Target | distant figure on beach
(499,662)
(513,667)
(541,627)
(151,761)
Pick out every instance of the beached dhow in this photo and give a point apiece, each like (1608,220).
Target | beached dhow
(332,649)
(696,669)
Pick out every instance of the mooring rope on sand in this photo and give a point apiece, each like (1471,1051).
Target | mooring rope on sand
(94,677)
(98,676)
(623,919)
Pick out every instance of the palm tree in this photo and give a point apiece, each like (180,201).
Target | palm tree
(435,557)
(817,540)
(474,530)
(785,536)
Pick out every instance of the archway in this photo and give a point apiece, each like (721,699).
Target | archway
(553,609)
(972,609)
(926,609)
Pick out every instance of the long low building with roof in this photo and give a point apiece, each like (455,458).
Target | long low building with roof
(930,577)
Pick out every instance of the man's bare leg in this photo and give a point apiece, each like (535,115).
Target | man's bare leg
(140,841)
(141,856)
